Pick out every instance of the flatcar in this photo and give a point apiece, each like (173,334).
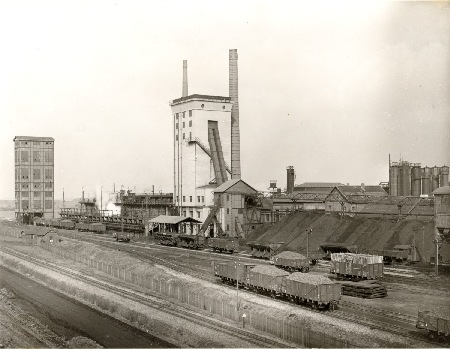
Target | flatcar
(315,290)
(226,245)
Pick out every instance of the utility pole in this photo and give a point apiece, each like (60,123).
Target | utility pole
(423,240)
(308,232)
(237,286)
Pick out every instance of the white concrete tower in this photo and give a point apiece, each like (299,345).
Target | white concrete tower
(194,178)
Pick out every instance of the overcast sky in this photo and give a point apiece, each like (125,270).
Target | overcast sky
(330,88)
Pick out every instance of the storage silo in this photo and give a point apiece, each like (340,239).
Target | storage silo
(405,179)
(443,176)
(393,179)
(415,180)
(434,178)
(426,181)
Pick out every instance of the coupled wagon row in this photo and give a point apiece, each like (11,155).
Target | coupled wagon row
(68,224)
(225,245)
(315,290)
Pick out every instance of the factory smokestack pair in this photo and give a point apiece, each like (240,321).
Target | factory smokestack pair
(233,91)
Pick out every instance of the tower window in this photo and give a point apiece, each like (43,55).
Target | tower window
(183,135)
(176,115)
(176,137)
(176,125)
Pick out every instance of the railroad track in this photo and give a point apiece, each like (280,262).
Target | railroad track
(396,323)
(157,302)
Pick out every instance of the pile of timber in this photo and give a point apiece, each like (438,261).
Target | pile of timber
(363,289)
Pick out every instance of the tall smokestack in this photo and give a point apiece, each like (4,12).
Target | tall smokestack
(235,138)
(185,81)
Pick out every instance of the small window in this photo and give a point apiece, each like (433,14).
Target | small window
(183,125)
(183,135)
(198,214)
(176,137)
(184,198)
(228,227)
(184,114)
(176,115)
(190,135)
(203,199)
(228,210)
(190,198)
(191,213)
(190,123)
(198,198)
(176,125)
(190,112)
(228,197)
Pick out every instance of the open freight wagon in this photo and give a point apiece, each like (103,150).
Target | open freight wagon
(357,266)
(314,290)
(435,325)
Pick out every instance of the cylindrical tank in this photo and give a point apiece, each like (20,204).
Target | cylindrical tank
(405,179)
(393,179)
(415,180)
(426,182)
(443,176)
(434,178)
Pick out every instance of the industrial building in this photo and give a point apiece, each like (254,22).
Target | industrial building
(34,178)
(194,174)
(410,179)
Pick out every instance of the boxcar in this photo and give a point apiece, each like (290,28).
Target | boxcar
(266,278)
(229,245)
(357,266)
(435,325)
(317,290)
(291,261)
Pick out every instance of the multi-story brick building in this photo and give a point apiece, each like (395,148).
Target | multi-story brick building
(34,177)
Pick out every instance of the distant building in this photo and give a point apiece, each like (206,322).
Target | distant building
(316,187)
(34,178)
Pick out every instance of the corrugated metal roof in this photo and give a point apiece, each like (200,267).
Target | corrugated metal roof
(172,219)
(30,138)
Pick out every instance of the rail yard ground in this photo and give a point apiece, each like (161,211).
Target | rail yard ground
(144,258)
